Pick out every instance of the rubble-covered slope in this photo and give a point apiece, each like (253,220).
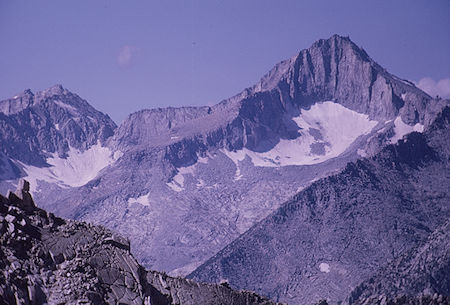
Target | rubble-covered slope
(420,273)
(48,260)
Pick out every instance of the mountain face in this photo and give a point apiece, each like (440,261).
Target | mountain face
(51,121)
(340,230)
(48,260)
(182,183)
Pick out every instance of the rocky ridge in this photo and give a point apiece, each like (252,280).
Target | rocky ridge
(333,69)
(48,260)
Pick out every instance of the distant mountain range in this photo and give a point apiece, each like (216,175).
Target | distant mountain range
(189,186)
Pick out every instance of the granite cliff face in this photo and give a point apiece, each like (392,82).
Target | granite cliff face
(48,260)
(188,181)
(340,230)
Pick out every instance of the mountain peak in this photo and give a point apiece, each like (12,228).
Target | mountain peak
(27,92)
(55,90)
(336,69)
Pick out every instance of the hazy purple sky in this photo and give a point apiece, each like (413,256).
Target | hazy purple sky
(123,56)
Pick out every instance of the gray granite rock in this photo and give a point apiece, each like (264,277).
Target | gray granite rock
(421,272)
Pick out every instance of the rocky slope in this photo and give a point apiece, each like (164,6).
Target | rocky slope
(339,231)
(193,179)
(48,260)
(418,273)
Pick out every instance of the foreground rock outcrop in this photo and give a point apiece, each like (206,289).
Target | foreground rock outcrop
(48,260)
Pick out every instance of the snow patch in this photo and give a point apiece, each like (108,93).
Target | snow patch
(174,186)
(401,129)
(403,96)
(76,170)
(338,126)
(324,267)
(236,156)
(202,160)
(144,200)
(362,153)
(57,126)
(177,182)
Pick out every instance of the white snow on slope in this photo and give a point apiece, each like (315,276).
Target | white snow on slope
(401,129)
(236,156)
(324,267)
(338,127)
(144,200)
(177,182)
(76,170)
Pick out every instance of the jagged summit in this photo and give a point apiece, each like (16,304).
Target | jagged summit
(28,98)
(52,120)
(337,69)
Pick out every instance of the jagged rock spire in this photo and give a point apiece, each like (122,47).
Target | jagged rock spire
(22,197)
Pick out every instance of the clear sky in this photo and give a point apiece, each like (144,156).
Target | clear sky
(123,56)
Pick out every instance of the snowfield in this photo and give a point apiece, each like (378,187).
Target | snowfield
(76,170)
(327,129)
(401,129)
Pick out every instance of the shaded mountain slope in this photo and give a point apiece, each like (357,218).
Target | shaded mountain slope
(420,272)
(343,228)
